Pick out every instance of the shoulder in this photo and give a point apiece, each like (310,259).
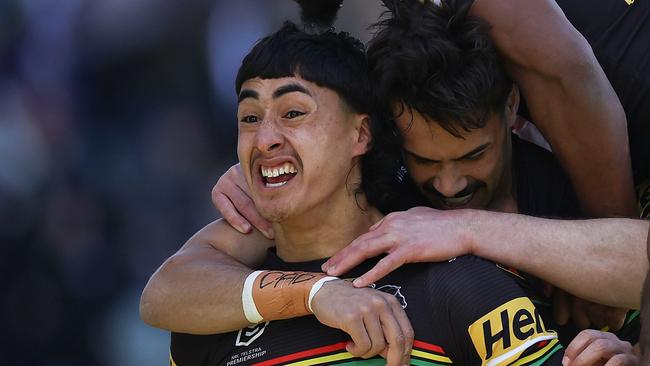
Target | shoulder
(543,187)
(472,279)
(488,313)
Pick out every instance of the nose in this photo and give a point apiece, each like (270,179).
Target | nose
(269,137)
(449,181)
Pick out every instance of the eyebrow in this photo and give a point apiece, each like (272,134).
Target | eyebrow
(247,93)
(290,88)
(474,151)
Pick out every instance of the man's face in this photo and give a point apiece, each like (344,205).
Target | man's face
(296,144)
(452,172)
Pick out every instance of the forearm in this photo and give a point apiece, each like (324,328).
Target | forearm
(601,260)
(198,289)
(197,292)
(581,117)
(569,98)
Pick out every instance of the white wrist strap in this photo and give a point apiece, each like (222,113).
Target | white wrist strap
(250,310)
(316,287)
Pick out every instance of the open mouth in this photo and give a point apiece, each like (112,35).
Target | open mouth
(279,175)
(457,201)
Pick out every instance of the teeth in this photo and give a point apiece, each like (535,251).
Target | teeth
(286,168)
(273,185)
(458,200)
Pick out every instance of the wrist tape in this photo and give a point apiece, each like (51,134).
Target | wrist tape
(275,295)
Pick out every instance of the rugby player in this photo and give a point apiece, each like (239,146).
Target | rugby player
(480,166)
(539,190)
(190,351)
(303,129)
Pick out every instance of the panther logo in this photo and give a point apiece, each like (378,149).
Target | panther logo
(393,290)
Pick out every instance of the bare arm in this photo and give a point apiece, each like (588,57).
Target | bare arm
(601,260)
(198,289)
(569,97)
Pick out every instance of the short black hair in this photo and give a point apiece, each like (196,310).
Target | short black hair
(329,59)
(438,60)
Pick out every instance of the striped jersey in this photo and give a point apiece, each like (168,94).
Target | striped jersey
(467,311)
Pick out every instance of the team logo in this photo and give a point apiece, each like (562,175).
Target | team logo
(502,335)
(247,335)
(393,290)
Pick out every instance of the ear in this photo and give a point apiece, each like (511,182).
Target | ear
(512,106)
(362,135)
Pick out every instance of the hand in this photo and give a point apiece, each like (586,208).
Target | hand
(585,313)
(374,320)
(593,347)
(230,196)
(421,234)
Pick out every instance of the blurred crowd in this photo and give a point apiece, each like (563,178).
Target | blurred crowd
(116,118)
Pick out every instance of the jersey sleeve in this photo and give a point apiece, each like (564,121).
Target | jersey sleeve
(488,316)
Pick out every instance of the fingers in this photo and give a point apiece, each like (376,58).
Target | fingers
(365,246)
(247,208)
(579,343)
(376,335)
(584,313)
(398,347)
(385,330)
(547,289)
(385,266)
(360,344)
(376,224)
(561,307)
(592,347)
(407,331)
(395,339)
(613,318)
(598,351)
(623,360)
(370,335)
(579,313)
(238,208)
(230,214)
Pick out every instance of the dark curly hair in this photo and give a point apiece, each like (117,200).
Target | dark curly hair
(438,60)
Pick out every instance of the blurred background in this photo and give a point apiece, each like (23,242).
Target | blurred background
(116,119)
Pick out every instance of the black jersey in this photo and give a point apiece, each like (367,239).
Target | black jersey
(543,189)
(466,311)
(619,34)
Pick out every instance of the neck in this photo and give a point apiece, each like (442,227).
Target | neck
(506,201)
(506,198)
(326,229)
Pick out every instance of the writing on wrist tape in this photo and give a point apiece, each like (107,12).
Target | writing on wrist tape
(275,295)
